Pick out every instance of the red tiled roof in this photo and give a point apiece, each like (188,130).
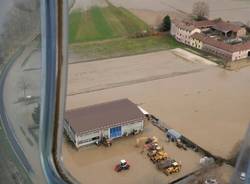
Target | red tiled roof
(204,23)
(220,44)
(226,26)
(184,25)
(199,36)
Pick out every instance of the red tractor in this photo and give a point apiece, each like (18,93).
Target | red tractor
(123,165)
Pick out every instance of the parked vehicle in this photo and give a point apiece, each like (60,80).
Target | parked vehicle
(173,135)
(180,144)
(242,176)
(123,165)
(156,156)
(174,168)
(164,164)
(104,141)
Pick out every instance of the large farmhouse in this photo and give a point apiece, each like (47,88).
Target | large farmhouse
(220,38)
(111,119)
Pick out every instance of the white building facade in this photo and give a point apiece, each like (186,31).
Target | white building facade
(183,32)
(104,120)
(114,132)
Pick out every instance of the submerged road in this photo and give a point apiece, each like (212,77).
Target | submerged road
(7,125)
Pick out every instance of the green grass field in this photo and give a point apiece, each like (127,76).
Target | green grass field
(123,47)
(100,23)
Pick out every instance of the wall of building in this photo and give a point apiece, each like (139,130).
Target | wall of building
(218,52)
(241,32)
(127,129)
(173,29)
(240,55)
(69,131)
(196,43)
(92,137)
(87,138)
(183,35)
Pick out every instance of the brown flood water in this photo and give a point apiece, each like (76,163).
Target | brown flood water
(209,105)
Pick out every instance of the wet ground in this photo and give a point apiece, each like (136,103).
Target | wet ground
(209,105)
(152,10)
(94,164)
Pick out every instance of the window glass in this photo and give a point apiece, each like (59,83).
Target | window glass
(135,73)
(20,66)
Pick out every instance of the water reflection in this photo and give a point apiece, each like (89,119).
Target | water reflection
(20,60)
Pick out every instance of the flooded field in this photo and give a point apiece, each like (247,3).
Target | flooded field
(207,104)
(92,164)
(227,9)
(152,10)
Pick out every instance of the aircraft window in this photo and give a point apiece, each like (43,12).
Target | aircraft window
(112,91)
(20,60)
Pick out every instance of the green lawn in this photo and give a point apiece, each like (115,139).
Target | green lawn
(123,47)
(100,23)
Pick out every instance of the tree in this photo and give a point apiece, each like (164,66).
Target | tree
(36,114)
(166,24)
(248,26)
(24,85)
(200,10)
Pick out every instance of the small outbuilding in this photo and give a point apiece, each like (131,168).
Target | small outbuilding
(173,135)
(112,120)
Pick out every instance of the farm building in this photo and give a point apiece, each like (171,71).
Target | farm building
(173,135)
(217,37)
(111,119)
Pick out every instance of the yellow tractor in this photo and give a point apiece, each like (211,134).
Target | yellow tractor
(157,156)
(174,168)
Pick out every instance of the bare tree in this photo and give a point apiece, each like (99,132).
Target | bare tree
(248,23)
(24,85)
(200,10)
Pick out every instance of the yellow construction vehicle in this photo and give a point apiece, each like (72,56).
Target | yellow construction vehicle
(174,168)
(157,155)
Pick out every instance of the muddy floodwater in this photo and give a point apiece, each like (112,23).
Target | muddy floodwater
(233,10)
(89,162)
(208,104)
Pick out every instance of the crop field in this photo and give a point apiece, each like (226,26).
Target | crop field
(100,23)
(120,47)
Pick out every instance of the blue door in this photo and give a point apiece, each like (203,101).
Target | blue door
(115,132)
